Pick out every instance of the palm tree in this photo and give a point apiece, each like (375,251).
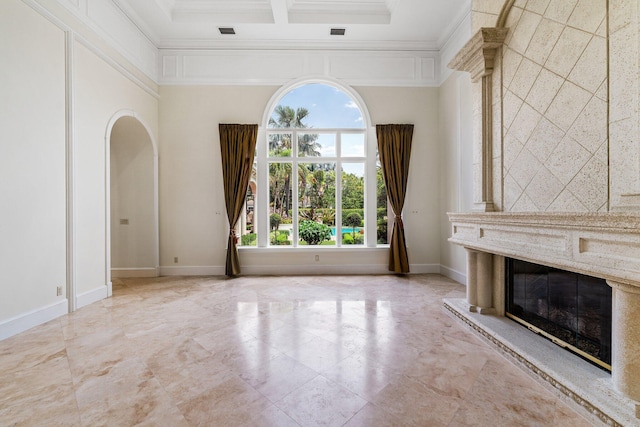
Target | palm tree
(285,117)
(307,145)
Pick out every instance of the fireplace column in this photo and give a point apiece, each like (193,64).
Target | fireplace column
(480,281)
(472,279)
(478,57)
(625,339)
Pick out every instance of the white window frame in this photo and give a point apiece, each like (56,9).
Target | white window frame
(261,203)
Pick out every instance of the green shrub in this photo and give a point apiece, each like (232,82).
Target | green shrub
(328,216)
(347,212)
(347,239)
(313,232)
(275,220)
(353,220)
(279,237)
(358,239)
(248,239)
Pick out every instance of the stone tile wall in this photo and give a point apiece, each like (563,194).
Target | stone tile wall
(554,75)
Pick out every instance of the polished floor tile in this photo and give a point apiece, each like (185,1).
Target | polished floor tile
(268,351)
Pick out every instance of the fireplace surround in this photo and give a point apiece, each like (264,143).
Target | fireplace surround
(602,245)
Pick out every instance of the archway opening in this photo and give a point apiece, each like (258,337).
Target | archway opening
(132,200)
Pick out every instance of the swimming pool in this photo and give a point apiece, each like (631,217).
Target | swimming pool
(346,230)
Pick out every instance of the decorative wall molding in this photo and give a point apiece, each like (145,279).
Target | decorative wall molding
(79,8)
(109,22)
(25,321)
(276,67)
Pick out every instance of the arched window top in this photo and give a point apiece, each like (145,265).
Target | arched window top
(317,105)
(316,181)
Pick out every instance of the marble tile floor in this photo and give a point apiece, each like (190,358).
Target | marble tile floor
(268,351)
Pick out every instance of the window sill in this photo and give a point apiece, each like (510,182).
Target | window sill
(298,249)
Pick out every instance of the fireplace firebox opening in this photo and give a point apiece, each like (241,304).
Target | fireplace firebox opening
(570,309)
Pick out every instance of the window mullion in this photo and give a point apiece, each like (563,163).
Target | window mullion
(261,204)
(338,201)
(370,189)
(294,187)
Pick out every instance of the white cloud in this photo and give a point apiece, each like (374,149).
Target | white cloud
(351,104)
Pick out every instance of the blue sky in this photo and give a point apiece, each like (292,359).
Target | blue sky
(332,108)
(328,107)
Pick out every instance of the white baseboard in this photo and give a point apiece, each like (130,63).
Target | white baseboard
(134,272)
(207,270)
(92,296)
(23,322)
(295,269)
(453,274)
(424,268)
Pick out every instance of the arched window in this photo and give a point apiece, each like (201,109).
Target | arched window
(316,180)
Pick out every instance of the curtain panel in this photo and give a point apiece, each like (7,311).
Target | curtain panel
(237,146)
(394,148)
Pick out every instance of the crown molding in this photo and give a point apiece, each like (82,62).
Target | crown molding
(200,44)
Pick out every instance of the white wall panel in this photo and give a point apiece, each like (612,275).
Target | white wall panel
(383,68)
(373,67)
(241,66)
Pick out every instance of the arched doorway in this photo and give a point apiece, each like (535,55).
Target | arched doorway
(132,199)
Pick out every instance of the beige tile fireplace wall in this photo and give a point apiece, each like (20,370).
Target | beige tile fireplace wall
(554,97)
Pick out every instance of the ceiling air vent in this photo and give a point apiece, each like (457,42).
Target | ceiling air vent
(337,31)
(226,30)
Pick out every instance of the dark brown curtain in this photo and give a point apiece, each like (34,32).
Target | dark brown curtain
(394,148)
(237,145)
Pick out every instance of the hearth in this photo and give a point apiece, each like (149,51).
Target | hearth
(572,310)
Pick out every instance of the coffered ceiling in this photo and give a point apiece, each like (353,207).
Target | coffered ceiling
(282,24)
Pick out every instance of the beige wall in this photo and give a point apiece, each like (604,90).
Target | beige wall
(32,161)
(193,220)
(456,165)
(420,107)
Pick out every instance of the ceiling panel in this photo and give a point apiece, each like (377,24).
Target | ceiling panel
(283,24)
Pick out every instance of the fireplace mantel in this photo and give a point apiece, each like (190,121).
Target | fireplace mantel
(605,245)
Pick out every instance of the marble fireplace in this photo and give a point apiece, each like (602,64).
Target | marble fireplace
(556,167)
